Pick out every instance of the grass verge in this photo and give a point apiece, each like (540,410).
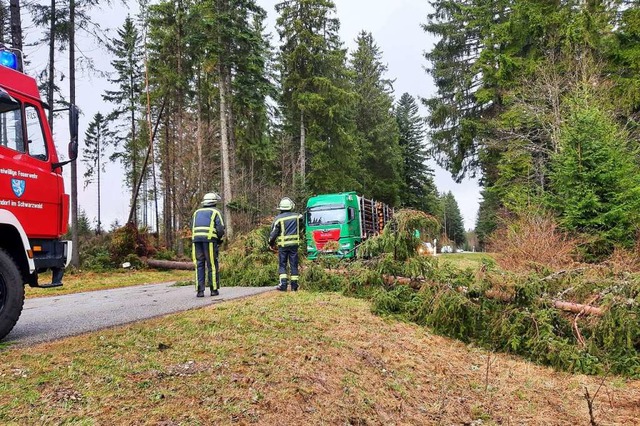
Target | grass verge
(90,281)
(466,260)
(305,358)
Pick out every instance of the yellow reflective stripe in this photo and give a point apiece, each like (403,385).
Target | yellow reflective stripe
(288,239)
(294,277)
(283,276)
(207,231)
(212,226)
(281,227)
(285,240)
(195,263)
(213,267)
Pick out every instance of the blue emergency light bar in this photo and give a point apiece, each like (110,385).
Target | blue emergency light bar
(9,59)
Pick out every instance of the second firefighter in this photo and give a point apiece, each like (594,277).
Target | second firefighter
(285,232)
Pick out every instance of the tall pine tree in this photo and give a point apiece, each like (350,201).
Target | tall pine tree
(451,220)
(317,100)
(418,190)
(129,81)
(376,127)
(97,138)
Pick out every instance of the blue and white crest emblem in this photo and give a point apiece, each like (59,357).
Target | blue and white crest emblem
(18,186)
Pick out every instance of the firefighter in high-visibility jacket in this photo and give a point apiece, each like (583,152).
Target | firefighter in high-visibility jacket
(207,233)
(285,232)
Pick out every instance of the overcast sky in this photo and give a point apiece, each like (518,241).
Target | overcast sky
(395,25)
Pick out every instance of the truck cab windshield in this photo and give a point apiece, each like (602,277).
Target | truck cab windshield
(326,215)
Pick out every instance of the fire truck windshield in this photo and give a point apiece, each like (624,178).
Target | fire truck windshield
(326,215)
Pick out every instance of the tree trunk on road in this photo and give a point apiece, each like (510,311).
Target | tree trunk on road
(170,264)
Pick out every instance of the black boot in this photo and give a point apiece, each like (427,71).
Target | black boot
(294,285)
(283,285)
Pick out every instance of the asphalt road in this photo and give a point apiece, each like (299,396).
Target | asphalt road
(49,318)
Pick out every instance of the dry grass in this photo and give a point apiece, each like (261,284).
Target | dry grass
(90,281)
(531,242)
(291,359)
(625,261)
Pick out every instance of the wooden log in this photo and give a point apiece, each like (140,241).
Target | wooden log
(577,308)
(170,264)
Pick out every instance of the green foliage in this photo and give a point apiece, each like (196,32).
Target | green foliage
(317,94)
(316,278)
(165,254)
(128,244)
(249,261)
(596,181)
(398,238)
(625,59)
(451,219)
(376,127)
(95,254)
(129,82)
(527,326)
(507,78)
(487,220)
(500,311)
(400,301)
(419,190)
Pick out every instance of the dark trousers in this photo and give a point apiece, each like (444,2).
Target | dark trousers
(205,254)
(288,254)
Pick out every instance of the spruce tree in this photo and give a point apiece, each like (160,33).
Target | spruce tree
(181,80)
(237,56)
(129,81)
(317,100)
(376,127)
(625,66)
(252,87)
(97,137)
(418,190)
(451,220)
(596,180)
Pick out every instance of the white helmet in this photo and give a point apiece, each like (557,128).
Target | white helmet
(210,199)
(286,204)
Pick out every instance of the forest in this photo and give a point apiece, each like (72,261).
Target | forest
(204,99)
(539,100)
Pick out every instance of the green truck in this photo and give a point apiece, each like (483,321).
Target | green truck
(337,223)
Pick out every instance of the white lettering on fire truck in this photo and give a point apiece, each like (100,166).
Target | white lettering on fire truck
(24,205)
(18,173)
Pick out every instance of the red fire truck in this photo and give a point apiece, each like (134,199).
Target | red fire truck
(34,208)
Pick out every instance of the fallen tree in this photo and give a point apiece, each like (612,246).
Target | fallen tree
(416,283)
(170,264)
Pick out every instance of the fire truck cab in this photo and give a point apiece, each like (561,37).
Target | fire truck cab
(34,208)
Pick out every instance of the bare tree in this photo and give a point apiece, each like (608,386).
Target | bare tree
(16,25)
(75,257)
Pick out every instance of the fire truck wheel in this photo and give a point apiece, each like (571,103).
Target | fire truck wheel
(11,293)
